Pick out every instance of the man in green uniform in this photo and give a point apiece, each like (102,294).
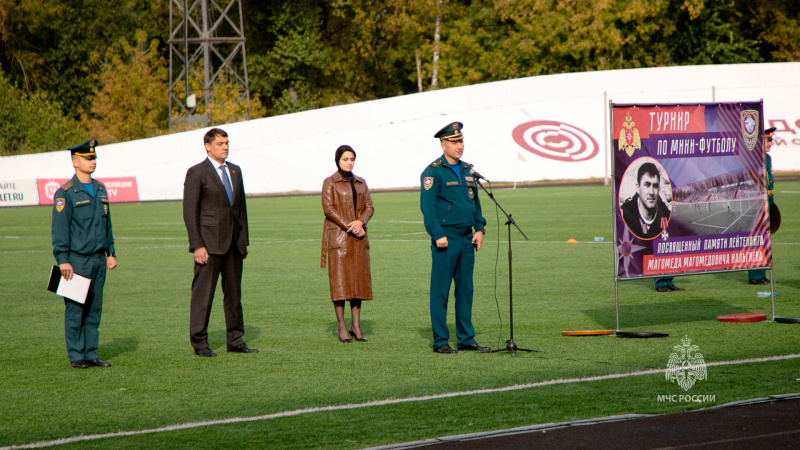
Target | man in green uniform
(451,209)
(665,284)
(83,244)
(760,276)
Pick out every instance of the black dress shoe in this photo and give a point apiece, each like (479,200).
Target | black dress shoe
(97,363)
(444,348)
(81,364)
(663,289)
(363,339)
(242,348)
(675,288)
(205,352)
(475,347)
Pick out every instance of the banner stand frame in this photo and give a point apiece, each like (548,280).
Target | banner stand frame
(615,249)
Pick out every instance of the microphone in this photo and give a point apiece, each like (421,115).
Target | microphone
(477,175)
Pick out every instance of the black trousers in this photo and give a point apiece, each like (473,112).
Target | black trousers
(203,286)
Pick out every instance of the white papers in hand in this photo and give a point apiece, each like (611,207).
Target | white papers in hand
(75,289)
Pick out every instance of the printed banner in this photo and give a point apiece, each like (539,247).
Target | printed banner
(120,190)
(18,193)
(689,189)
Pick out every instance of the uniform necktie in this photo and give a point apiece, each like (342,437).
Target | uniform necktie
(227,183)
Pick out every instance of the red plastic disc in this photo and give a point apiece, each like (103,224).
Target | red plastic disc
(746,317)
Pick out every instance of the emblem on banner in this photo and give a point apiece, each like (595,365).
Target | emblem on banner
(686,365)
(59,204)
(749,122)
(427,182)
(629,140)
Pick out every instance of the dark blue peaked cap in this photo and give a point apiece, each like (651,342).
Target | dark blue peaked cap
(451,132)
(85,148)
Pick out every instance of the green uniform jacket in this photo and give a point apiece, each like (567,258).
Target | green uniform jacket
(449,202)
(770,181)
(81,223)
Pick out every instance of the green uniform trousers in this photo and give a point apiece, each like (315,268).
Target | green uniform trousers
(82,321)
(664,281)
(455,262)
(760,274)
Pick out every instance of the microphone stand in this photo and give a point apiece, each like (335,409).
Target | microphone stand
(511,346)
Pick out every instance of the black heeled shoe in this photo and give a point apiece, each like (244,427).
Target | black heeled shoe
(344,341)
(363,339)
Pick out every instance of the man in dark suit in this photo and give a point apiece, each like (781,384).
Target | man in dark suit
(215,215)
(645,214)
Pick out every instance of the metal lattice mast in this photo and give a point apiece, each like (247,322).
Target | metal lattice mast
(210,32)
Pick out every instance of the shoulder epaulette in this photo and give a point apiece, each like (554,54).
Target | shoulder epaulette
(67,186)
(100,183)
(438,162)
(467,164)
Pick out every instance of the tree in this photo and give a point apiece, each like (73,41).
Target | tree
(709,33)
(287,74)
(131,101)
(32,123)
(777,24)
(21,21)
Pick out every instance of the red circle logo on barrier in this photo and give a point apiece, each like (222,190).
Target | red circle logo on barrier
(555,140)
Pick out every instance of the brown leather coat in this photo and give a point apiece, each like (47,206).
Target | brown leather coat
(347,255)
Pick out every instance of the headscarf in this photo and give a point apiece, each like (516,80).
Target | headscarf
(348,176)
(339,153)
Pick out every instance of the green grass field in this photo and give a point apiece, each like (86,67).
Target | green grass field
(157,381)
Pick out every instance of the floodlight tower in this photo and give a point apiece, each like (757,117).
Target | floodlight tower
(211,33)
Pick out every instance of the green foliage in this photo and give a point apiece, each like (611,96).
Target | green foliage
(297,58)
(306,54)
(157,381)
(778,25)
(129,102)
(32,123)
(225,103)
(709,33)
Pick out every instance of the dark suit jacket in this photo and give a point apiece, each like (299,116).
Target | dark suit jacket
(211,221)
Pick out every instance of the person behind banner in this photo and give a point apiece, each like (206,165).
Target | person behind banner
(215,215)
(645,214)
(348,207)
(83,244)
(759,276)
(451,209)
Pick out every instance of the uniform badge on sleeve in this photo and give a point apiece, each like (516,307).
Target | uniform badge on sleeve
(427,182)
(471,194)
(105,208)
(60,204)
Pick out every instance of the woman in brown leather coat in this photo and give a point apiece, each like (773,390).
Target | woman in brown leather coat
(347,207)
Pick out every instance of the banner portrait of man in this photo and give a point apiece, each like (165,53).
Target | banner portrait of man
(645,196)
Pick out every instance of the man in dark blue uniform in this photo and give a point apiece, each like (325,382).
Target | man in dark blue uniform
(759,276)
(451,209)
(83,244)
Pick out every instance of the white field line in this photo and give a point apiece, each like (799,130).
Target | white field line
(391,401)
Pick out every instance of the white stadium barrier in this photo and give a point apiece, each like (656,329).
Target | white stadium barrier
(529,129)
